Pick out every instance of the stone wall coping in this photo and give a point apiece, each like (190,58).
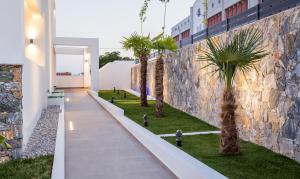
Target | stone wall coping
(179,162)
(58,169)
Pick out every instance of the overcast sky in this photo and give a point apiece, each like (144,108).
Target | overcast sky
(111,20)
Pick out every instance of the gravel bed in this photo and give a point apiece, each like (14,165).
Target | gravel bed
(42,140)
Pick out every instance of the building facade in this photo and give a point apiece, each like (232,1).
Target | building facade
(28,50)
(220,10)
(182,30)
(192,24)
(26,61)
(207,13)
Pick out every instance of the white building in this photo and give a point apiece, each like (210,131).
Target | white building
(214,10)
(192,24)
(182,29)
(219,10)
(198,12)
(29,45)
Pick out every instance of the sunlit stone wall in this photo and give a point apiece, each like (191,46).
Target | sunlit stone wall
(268,101)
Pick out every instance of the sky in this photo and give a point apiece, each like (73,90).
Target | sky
(69,63)
(112,20)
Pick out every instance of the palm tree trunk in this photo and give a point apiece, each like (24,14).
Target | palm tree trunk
(229,143)
(165,14)
(143,81)
(159,87)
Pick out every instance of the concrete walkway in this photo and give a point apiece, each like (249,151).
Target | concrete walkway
(97,146)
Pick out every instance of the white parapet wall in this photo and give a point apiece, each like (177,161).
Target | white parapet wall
(69,81)
(58,169)
(179,162)
(116,74)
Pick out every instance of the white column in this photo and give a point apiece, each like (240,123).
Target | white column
(87,68)
(94,50)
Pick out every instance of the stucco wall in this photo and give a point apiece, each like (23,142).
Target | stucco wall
(115,74)
(268,101)
(12,36)
(34,88)
(21,21)
(69,82)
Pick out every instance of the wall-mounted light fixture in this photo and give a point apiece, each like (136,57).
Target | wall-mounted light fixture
(31,41)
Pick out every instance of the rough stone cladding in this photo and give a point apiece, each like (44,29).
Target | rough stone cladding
(268,100)
(11,109)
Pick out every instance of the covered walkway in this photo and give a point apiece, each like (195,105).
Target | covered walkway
(97,146)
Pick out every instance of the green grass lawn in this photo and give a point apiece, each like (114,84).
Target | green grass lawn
(108,94)
(40,167)
(173,120)
(254,162)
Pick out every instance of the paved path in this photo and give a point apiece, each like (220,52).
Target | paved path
(97,146)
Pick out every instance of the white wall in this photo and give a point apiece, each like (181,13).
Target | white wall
(34,100)
(69,82)
(12,32)
(197,21)
(116,74)
(182,26)
(93,47)
(18,22)
(87,68)
(224,4)
(36,64)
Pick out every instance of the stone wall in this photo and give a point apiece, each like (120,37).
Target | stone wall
(268,101)
(11,109)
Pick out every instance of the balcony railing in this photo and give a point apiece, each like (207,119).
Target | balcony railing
(263,10)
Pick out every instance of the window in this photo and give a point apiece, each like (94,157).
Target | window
(185,34)
(237,8)
(212,5)
(176,38)
(219,1)
(214,19)
(199,12)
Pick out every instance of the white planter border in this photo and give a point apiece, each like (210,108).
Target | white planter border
(179,162)
(58,168)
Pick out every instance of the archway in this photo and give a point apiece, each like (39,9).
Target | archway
(89,49)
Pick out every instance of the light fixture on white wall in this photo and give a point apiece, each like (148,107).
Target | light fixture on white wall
(71,126)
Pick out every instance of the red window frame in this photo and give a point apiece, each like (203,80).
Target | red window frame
(176,38)
(237,8)
(185,34)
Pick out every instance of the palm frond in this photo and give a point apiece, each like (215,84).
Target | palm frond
(162,43)
(140,45)
(240,53)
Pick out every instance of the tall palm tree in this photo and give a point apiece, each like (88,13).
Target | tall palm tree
(141,46)
(238,54)
(142,13)
(161,43)
(165,13)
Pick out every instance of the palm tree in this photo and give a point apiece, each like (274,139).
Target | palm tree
(142,13)
(3,142)
(239,54)
(161,43)
(165,13)
(141,46)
